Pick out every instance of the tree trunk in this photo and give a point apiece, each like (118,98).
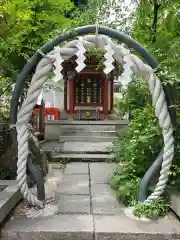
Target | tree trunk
(155,19)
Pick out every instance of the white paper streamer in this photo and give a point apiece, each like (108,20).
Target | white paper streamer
(126,76)
(80,54)
(58,66)
(109,59)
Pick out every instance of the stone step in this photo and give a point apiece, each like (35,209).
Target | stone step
(81,157)
(87,132)
(50,146)
(87,139)
(53,129)
(90,123)
(53,132)
(86,128)
(90,227)
(77,147)
(87,147)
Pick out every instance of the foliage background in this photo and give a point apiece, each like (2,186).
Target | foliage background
(157,27)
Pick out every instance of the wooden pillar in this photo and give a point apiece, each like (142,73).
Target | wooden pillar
(71,98)
(112,94)
(106,99)
(70,93)
(65,94)
(41,119)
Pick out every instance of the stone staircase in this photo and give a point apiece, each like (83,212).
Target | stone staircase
(81,140)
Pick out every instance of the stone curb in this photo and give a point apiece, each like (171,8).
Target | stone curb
(65,227)
(89,227)
(9,197)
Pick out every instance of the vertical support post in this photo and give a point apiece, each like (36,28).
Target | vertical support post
(71,94)
(112,94)
(71,98)
(41,119)
(65,94)
(106,98)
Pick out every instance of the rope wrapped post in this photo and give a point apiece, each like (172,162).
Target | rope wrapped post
(121,56)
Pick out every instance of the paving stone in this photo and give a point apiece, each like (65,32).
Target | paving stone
(104,200)
(64,227)
(74,204)
(124,228)
(100,172)
(74,184)
(55,171)
(77,168)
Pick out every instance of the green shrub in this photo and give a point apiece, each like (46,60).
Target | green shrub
(126,184)
(136,96)
(157,208)
(141,142)
(174,176)
(136,149)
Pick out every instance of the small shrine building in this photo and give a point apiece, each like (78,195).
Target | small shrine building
(88,95)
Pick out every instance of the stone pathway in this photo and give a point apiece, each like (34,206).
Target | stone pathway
(86,209)
(84,190)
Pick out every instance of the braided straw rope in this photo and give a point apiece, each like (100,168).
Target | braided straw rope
(121,55)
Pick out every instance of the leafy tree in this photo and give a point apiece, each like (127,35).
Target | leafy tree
(80,2)
(115,14)
(27,25)
(136,95)
(157,27)
(24,27)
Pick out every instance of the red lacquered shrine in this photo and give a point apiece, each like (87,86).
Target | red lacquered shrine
(88,95)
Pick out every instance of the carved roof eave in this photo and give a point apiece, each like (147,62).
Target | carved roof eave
(70,65)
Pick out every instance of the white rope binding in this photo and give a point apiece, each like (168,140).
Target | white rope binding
(120,55)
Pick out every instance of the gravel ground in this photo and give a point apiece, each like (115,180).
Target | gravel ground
(53,179)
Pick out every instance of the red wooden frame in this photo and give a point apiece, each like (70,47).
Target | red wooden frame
(89,72)
(71,97)
(105,109)
(65,94)
(112,94)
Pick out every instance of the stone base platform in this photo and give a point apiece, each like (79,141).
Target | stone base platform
(86,208)
(90,227)
(9,197)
